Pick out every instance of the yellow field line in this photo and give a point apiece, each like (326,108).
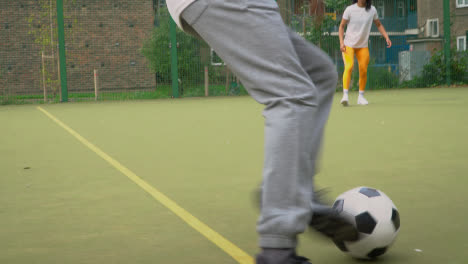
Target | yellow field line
(235,252)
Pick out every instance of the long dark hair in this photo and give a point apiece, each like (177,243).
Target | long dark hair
(368,4)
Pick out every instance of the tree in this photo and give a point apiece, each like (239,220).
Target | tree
(157,51)
(43,27)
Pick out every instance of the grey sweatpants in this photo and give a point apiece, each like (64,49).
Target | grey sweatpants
(295,81)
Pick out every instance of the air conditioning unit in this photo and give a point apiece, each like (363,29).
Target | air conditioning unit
(411,63)
(432,28)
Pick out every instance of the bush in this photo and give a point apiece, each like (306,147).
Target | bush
(381,78)
(157,51)
(434,73)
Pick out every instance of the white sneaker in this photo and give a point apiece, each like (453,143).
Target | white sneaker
(344,100)
(362,101)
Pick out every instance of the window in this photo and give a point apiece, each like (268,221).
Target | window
(401,9)
(380,6)
(432,28)
(461,43)
(462,3)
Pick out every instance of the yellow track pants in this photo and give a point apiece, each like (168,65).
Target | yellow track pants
(362,55)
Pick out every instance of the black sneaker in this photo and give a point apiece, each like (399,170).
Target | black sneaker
(300,260)
(329,223)
(280,256)
(325,220)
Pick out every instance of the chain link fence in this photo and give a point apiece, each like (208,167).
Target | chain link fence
(118,50)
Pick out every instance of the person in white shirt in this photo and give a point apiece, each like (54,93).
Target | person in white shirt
(359,18)
(296,81)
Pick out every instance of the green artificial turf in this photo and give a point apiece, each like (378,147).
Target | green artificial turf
(62,203)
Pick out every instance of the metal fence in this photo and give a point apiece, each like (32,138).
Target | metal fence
(72,50)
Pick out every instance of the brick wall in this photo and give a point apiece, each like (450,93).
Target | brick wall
(100,34)
(20,60)
(431,9)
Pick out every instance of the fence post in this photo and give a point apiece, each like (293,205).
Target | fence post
(62,54)
(206,80)
(173,46)
(44,78)
(96,85)
(227,79)
(447,44)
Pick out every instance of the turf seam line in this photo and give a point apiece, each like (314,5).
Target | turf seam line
(235,252)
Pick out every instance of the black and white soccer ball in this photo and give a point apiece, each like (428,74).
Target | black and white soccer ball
(375,217)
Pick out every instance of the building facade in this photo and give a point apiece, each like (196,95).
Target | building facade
(414,26)
(430,27)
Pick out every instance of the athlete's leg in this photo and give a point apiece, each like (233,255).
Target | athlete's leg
(250,36)
(323,73)
(362,55)
(348,59)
